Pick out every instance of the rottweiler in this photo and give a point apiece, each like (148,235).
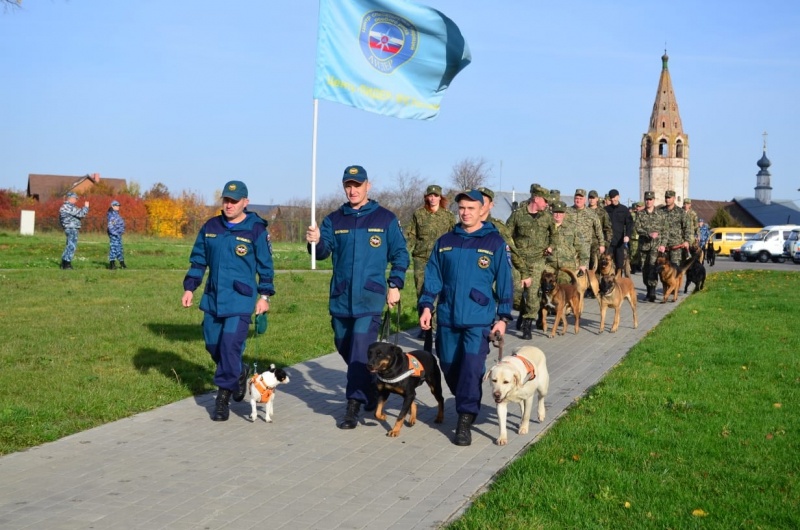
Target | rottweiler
(401,373)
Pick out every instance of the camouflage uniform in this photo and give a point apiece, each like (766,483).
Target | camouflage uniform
(570,248)
(425,228)
(605,227)
(116,227)
(676,232)
(647,223)
(588,226)
(532,234)
(70,217)
(694,224)
(633,244)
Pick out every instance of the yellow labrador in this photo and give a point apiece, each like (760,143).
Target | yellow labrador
(516,379)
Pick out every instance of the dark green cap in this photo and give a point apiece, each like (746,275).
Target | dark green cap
(433,189)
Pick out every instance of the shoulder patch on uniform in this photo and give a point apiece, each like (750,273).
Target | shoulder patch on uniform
(484,262)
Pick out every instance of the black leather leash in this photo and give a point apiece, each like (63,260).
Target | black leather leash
(386,324)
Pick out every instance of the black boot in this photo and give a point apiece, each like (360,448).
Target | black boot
(68,265)
(463,435)
(539,322)
(589,293)
(122,264)
(651,293)
(350,420)
(241,389)
(222,406)
(112,265)
(527,323)
(63,265)
(519,321)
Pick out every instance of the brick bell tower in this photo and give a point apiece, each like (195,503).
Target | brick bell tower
(664,162)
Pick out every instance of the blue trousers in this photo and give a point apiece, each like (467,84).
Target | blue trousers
(352,337)
(225,340)
(72,244)
(462,356)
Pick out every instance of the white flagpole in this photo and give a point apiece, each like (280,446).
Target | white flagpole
(314,183)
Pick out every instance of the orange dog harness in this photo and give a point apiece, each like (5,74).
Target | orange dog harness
(528,368)
(414,369)
(264,392)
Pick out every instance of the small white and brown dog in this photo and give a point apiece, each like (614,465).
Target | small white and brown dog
(262,390)
(516,379)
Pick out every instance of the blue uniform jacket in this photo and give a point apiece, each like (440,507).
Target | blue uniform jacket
(233,257)
(462,272)
(362,243)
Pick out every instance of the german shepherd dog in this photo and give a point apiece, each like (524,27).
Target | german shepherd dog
(559,296)
(614,288)
(711,253)
(671,276)
(696,273)
(401,373)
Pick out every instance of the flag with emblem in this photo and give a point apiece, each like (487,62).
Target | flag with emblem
(390,57)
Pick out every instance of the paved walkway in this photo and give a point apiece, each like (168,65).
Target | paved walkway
(173,468)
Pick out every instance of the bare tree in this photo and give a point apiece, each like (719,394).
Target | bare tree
(10,3)
(470,173)
(403,195)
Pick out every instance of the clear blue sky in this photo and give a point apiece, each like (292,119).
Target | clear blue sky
(193,93)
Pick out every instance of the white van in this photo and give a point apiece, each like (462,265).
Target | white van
(791,249)
(768,244)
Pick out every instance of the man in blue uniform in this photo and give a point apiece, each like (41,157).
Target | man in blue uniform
(469,278)
(362,238)
(234,247)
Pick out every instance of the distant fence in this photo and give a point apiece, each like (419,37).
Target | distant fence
(282,230)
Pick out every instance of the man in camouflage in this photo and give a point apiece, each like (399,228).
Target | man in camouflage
(588,226)
(676,230)
(636,255)
(691,216)
(649,225)
(532,231)
(569,249)
(599,247)
(70,217)
(428,224)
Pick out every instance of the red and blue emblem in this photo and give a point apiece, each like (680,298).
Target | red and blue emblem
(387,41)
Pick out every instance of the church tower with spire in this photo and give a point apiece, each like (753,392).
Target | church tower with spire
(763,177)
(664,162)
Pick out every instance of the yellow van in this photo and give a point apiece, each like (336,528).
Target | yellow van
(727,238)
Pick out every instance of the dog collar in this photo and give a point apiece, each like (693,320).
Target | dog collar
(414,368)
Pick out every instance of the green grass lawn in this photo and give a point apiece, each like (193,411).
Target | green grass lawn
(697,427)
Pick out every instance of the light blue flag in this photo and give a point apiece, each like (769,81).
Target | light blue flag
(390,57)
